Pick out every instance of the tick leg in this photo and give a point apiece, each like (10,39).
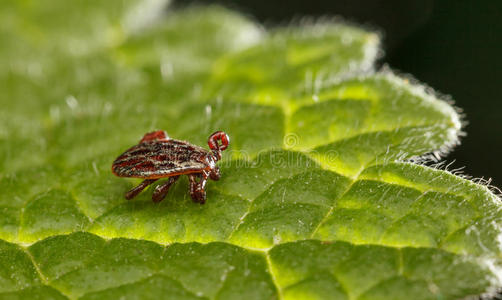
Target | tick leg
(161,190)
(158,135)
(135,191)
(198,189)
(193,186)
(202,187)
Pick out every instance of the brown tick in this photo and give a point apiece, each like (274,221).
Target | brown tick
(158,156)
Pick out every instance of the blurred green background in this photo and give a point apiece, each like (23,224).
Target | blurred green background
(455,46)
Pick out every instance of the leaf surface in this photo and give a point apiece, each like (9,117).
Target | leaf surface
(318,197)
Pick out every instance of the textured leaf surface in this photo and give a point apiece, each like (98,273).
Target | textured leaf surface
(318,198)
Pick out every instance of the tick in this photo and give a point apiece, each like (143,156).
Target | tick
(158,156)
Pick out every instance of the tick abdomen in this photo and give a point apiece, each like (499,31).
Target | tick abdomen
(156,159)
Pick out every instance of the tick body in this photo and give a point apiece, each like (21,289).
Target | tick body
(158,156)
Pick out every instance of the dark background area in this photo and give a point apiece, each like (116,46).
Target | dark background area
(455,46)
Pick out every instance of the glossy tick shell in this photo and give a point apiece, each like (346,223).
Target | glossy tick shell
(158,156)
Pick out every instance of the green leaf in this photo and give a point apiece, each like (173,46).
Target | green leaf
(319,198)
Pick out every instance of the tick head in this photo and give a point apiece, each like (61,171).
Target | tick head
(215,138)
(214,143)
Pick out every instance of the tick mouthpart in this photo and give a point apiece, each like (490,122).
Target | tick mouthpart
(214,144)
